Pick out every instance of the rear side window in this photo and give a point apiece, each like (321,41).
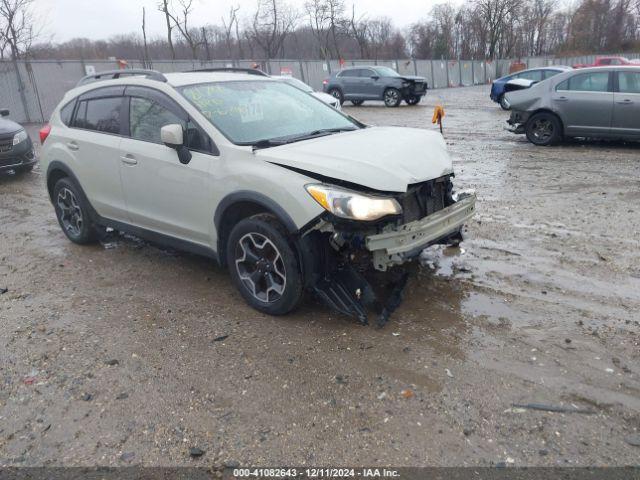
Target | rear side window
(587,82)
(535,75)
(551,73)
(629,82)
(350,73)
(100,114)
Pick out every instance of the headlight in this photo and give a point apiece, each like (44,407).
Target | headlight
(353,205)
(21,136)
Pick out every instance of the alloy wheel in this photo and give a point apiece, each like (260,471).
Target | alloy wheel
(391,97)
(542,129)
(260,267)
(70,212)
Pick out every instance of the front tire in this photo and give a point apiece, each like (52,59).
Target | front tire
(392,97)
(357,103)
(264,266)
(72,210)
(337,94)
(413,100)
(503,103)
(543,129)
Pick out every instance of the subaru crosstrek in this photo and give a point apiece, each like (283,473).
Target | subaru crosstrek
(288,193)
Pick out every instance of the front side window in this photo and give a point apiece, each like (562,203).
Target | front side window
(100,114)
(146,119)
(386,72)
(587,82)
(629,82)
(247,112)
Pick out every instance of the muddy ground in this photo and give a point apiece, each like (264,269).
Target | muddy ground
(113,355)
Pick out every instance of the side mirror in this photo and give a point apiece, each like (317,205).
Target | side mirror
(4,112)
(173,137)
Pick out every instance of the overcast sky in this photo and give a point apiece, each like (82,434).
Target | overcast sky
(66,19)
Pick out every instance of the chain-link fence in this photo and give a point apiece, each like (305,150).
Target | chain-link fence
(32,89)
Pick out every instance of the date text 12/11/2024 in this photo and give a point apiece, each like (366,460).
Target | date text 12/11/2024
(276,473)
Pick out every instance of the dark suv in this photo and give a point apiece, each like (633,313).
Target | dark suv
(358,84)
(16,149)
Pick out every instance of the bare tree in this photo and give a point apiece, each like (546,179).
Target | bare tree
(271,24)
(144,36)
(359,31)
(181,22)
(18,27)
(229,26)
(164,6)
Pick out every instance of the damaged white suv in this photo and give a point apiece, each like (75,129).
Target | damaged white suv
(290,194)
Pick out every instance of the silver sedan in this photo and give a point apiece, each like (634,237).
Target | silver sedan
(600,102)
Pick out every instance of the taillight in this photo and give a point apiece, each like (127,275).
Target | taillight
(325,82)
(44,133)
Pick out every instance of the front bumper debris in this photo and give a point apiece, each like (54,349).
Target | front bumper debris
(338,264)
(401,244)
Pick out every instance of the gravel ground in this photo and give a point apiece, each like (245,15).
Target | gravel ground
(125,353)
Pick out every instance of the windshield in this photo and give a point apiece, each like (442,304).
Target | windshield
(248,112)
(386,72)
(298,84)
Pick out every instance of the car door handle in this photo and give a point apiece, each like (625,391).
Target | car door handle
(561,99)
(626,101)
(129,159)
(72,146)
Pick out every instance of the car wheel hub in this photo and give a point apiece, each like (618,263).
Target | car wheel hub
(260,267)
(542,129)
(70,212)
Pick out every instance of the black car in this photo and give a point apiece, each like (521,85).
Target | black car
(16,148)
(358,84)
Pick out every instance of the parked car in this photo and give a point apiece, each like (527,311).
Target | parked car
(299,84)
(16,148)
(606,62)
(290,194)
(359,84)
(504,84)
(601,102)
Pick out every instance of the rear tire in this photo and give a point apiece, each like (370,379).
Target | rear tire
(337,94)
(392,97)
(264,266)
(72,210)
(544,129)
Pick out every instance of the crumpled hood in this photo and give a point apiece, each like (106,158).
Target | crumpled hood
(381,158)
(8,126)
(414,78)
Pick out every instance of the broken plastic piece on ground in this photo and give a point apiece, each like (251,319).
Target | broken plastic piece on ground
(553,408)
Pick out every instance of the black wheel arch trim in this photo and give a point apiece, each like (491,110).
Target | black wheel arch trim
(259,199)
(58,165)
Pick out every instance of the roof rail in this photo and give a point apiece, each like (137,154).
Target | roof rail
(250,71)
(113,74)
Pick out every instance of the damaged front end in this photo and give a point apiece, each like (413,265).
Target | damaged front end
(357,266)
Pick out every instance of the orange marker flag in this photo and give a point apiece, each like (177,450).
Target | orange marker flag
(438,113)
